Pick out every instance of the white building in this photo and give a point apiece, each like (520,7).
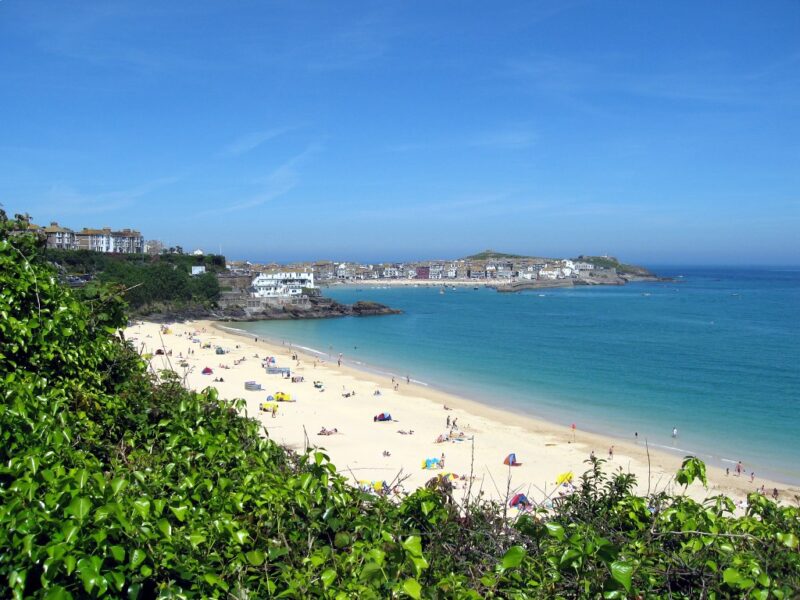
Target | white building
(282,284)
(198,270)
(584,266)
(343,271)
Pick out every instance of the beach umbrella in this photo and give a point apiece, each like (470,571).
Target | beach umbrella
(564,477)
(511,460)
(207,371)
(519,501)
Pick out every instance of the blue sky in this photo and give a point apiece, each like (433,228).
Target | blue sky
(658,132)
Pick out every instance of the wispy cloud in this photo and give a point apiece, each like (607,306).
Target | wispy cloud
(253,140)
(100,34)
(708,80)
(512,138)
(65,199)
(279,182)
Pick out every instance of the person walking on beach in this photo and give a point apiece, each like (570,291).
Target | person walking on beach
(674,432)
(448,420)
(752,476)
(775,494)
(636,436)
(611,453)
(739,468)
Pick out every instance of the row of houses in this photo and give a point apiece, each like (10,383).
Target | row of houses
(125,241)
(478,270)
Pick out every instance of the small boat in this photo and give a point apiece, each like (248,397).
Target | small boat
(475,288)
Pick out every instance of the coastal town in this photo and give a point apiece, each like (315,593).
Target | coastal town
(256,285)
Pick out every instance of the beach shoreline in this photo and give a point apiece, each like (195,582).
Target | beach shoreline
(545,448)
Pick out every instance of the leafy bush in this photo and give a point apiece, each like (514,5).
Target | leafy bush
(115,482)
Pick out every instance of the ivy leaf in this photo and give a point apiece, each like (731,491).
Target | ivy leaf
(142,506)
(118,484)
(412,588)
(241,536)
(57,593)
(118,552)
(255,557)
(179,512)
(165,527)
(413,545)
(33,463)
(79,507)
(328,577)
(137,558)
(513,557)
(622,572)
(555,530)
(214,580)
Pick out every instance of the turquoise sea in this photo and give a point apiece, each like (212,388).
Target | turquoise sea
(715,353)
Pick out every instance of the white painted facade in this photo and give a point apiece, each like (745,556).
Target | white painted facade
(549,273)
(282,285)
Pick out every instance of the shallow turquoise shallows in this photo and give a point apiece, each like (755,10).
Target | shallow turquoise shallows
(715,353)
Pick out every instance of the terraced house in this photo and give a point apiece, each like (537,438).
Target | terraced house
(59,237)
(126,241)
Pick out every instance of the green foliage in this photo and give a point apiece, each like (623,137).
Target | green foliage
(150,282)
(115,483)
(492,255)
(609,262)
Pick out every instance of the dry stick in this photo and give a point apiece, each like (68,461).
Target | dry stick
(471,469)
(493,481)
(164,348)
(305,440)
(647,447)
(353,475)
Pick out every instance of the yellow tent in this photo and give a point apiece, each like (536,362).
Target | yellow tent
(564,477)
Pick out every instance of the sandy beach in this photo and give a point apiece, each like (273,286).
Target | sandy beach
(369,452)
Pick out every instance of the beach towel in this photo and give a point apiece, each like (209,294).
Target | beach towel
(430,463)
(519,501)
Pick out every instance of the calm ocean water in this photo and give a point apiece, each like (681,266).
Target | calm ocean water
(715,353)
